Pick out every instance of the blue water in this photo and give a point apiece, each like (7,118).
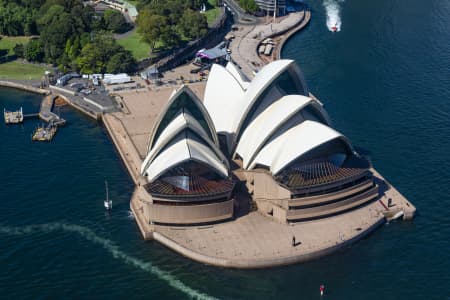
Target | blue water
(385,81)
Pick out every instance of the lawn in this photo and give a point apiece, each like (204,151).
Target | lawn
(19,70)
(212,13)
(8,42)
(134,44)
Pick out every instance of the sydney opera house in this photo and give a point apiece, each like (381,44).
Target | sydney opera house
(267,138)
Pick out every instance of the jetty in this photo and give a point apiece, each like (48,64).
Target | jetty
(13,117)
(44,133)
(46,111)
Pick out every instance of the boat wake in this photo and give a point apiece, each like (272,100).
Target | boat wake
(333,11)
(110,247)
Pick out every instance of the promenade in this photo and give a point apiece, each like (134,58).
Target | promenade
(248,37)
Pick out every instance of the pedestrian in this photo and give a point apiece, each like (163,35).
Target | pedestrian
(293,241)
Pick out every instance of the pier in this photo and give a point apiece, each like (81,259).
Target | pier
(46,133)
(46,112)
(13,117)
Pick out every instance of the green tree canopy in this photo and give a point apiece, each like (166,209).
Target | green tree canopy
(152,27)
(248,5)
(193,24)
(34,51)
(103,54)
(115,21)
(19,50)
(17,20)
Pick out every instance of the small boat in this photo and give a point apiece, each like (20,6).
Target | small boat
(334,28)
(398,215)
(107,203)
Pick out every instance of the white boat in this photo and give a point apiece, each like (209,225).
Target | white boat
(107,203)
(398,215)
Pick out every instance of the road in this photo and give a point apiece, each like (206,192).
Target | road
(239,14)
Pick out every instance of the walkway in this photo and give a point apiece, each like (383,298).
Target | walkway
(248,37)
(255,241)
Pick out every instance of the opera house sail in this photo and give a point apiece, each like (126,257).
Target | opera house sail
(295,166)
(188,176)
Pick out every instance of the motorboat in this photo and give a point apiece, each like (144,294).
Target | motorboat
(334,28)
(107,203)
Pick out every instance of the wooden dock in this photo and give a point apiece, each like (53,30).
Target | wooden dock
(13,117)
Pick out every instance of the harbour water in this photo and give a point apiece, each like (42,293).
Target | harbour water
(384,79)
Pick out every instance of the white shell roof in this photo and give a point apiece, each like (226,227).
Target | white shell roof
(243,81)
(174,97)
(267,123)
(181,150)
(260,82)
(228,97)
(181,122)
(294,143)
(223,96)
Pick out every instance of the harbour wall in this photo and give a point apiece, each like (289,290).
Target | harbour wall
(293,31)
(266,262)
(24,87)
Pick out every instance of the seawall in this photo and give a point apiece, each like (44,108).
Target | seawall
(267,262)
(293,31)
(24,87)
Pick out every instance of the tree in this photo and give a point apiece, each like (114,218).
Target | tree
(170,37)
(152,27)
(121,62)
(16,19)
(103,54)
(193,24)
(88,61)
(248,5)
(34,51)
(19,50)
(115,21)
(56,27)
